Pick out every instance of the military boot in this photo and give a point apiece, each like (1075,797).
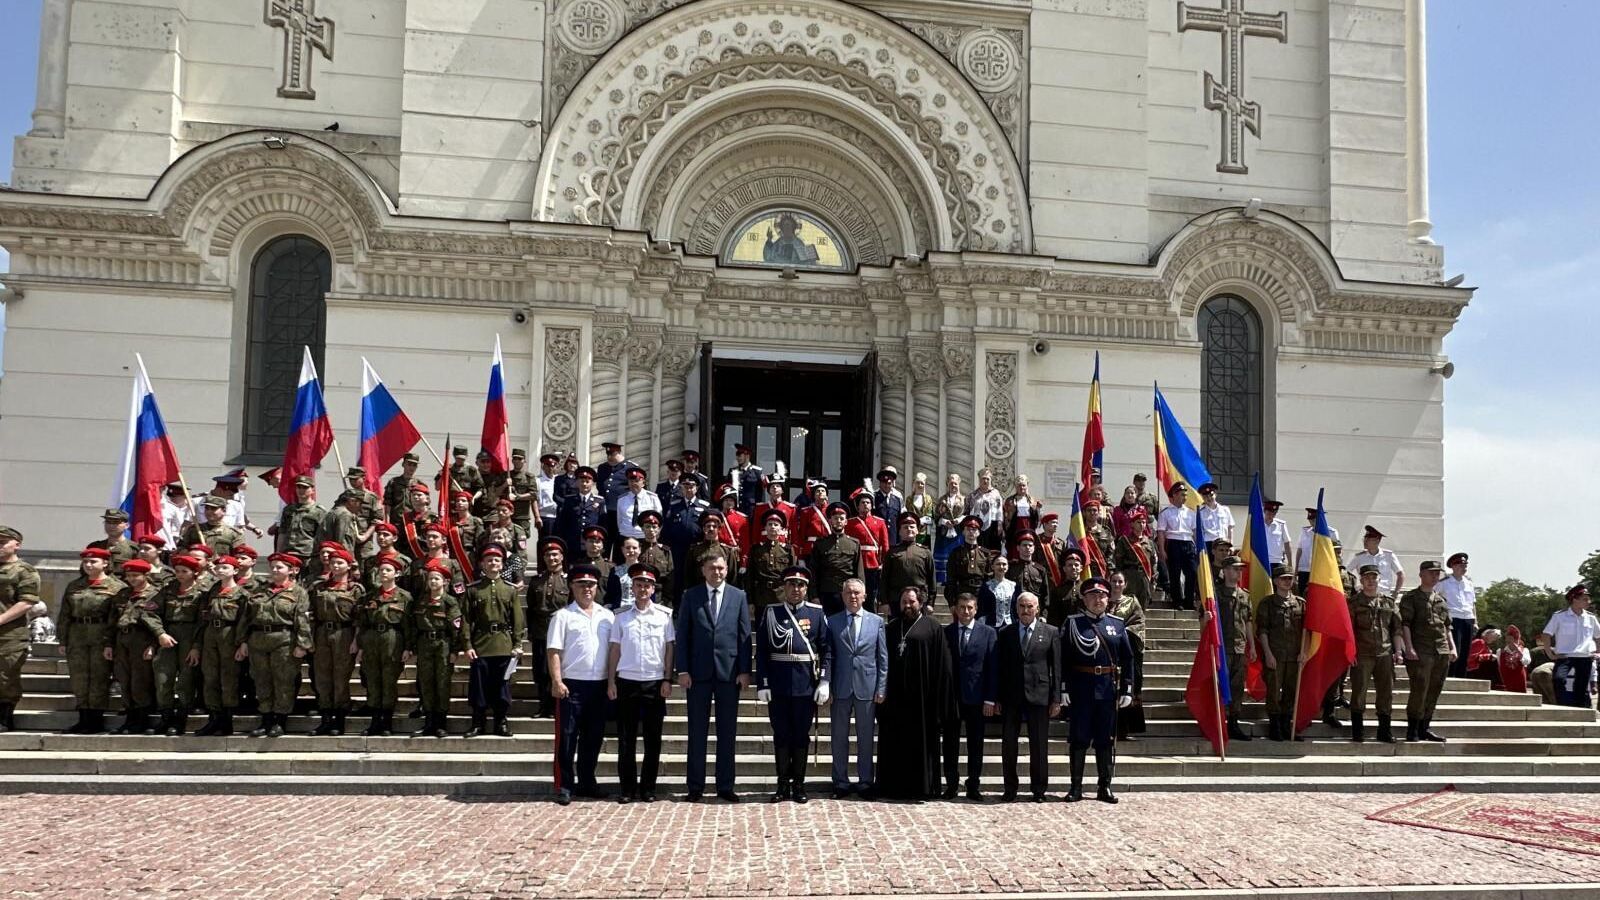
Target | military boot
(388,723)
(264,723)
(179,724)
(427,727)
(324,725)
(129,719)
(1079,756)
(1273,732)
(1236,731)
(213,722)
(1425,731)
(797,775)
(1355,728)
(500,727)
(225,724)
(338,724)
(1385,733)
(1411,731)
(146,727)
(1105,764)
(276,728)
(479,718)
(440,728)
(781,763)
(80,726)
(375,727)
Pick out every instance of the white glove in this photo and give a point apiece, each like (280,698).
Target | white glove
(1125,701)
(1066,700)
(764,695)
(822,694)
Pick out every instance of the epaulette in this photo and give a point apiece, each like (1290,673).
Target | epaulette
(810,605)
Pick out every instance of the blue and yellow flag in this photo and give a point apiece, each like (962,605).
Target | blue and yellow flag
(1176,457)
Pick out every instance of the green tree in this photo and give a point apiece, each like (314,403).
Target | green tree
(1589,572)
(1512,602)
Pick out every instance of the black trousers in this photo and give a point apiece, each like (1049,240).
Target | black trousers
(1038,719)
(640,707)
(970,723)
(581,724)
(487,687)
(1182,587)
(1463,630)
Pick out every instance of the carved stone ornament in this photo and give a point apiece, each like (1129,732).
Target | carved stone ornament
(1000,445)
(1226,95)
(989,59)
(609,344)
(304,33)
(892,369)
(560,423)
(957,360)
(642,352)
(589,26)
(992,59)
(678,358)
(924,362)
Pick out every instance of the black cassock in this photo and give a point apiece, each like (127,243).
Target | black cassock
(919,701)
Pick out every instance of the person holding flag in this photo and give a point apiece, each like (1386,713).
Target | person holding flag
(1236,622)
(1280,627)
(1178,465)
(149,463)
(1329,644)
(387,436)
(1209,688)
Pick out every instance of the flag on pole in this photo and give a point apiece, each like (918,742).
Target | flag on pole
(1176,457)
(1257,578)
(1094,560)
(1207,694)
(496,440)
(386,431)
(452,532)
(1330,641)
(1094,436)
(310,431)
(149,463)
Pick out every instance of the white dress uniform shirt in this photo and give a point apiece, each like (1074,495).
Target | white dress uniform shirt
(1388,568)
(1176,523)
(1215,524)
(546,485)
(1461,595)
(584,640)
(629,505)
(173,520)
(643,637)
(1307,534)
(1277,539)
(1573,634)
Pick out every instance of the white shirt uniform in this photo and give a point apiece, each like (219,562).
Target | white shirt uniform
(1277,539)
(1461,595)
(583,639)
(1215,524)
(629,505)
(546,485)
(643,637)
(1573,634)
(1307,533)
(1176,523)
(1388,569)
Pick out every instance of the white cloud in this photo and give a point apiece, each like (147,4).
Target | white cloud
(1510,499)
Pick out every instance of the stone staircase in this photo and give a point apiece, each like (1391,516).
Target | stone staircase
(1497,741)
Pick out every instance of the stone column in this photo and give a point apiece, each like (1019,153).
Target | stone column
(610,340)
(892,404)
(1419,226)
(50,103)
(959,392)
(925,369)
(679,353)
(644,348)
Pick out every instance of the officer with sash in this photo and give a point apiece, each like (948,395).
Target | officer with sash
(793,655)
(1097,661)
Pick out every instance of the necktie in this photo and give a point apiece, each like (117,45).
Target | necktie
(1026,631)
(855,629)
(716,605)
(966,632)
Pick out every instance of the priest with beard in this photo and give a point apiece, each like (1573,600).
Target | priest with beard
(919,701)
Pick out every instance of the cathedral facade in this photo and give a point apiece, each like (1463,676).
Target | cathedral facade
(849,234)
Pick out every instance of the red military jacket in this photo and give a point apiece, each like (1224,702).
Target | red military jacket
(873,533)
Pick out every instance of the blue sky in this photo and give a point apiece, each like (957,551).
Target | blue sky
(1516,203)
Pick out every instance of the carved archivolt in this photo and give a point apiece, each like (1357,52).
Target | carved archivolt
(845,56)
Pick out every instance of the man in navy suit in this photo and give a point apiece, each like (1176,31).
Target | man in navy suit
(860,678)
(1030,690)
(972,646)
(713,632)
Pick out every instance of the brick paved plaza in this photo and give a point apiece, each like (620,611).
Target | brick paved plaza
(351,847)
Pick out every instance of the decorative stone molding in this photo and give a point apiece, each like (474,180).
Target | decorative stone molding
(559,428)
(609,344)
(303,32)
(1000,415)
(892,425)
(926,367)
(959,412)
(680,350)
(644,348)
(994,60)
(716,47)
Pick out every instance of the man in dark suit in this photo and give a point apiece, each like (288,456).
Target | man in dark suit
(860,677)
(1030,689)
(972,646)
(713,644)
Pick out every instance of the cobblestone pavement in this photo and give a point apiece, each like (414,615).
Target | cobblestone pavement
(352,847)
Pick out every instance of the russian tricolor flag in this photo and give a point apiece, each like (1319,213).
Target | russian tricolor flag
(386,432)
(310,431)
(149,463)
(496,439)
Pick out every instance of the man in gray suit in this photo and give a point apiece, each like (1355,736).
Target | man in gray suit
(1030,691)
(860,677)
(713,661)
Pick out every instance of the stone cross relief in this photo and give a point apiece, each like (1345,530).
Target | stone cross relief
(303,32)
(1227,95)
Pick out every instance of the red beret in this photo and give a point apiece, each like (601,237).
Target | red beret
(136,565)
(418,487)
(94,553)
(503,503)
(288,559)
(187,562)
(245,551)
(201,549)
(153,539)
(438,565)
(434,526)
(228,561)
(1049,517)
(459,495)
(341,553)
(390,559)
(385,528)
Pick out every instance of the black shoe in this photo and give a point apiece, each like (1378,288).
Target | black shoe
(1331,720)
(1008,797)
(798,794)
(262,725)
(338,725)
(1412,726)
(324,724)
(693,796)
(375,727)
(1038,798)
(729,796)
(1236,731)
(77,727)
(563,797)
(624,799)
(841,793)
(1342,702)
(1385,733)
(426,729)
(779,795)
(949,793)
(1079,760)
(1425,731)
(416,712)
(209,728)
(276,730)
(1104,795)
(478,726)
(647,796)
(546,710)
(1356,731)
(501,729)
(974,795)
(1273,734)
(440,728)
(97,722)
(225,724)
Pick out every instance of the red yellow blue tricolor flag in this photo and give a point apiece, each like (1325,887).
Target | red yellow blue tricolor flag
(1257,577)
(1094,560)
(1094,436)
(1176,457)
(1329,644)
(1207,694)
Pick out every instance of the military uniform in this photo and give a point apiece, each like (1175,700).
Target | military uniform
(578,512)
(793,656)
(1097,665)
(1135,558)
(465,477)
(1375,621)
(433,635)
(965,572)
(1105,541)
(416,581)
(219,538)
(340,526)
(298,527)
(1031,578)
(273,623)
(219,671)
(19,583)
(137,629)
(334,611)
(1237,615)
(394,493)
(83,626)
(908,565)
(381,637)
(698,553)
(835,558)
(1428,616)
(402,566)
(763,578)
(751,482)
(548,593)
(525,487)
(121,551)
(180,612)
(1065,602)
(659,558)
(494,624)
(1281,621)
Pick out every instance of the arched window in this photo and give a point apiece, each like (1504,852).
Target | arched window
(288,283)
(1230,393)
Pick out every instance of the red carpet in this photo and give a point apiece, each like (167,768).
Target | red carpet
(1499,816)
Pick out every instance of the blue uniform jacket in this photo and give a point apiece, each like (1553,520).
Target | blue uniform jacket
(783,663)
(978,668)
(1096,643)
(611,481)
(578,512)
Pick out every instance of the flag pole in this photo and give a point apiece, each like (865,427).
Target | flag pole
(1300,673)
(1216,686)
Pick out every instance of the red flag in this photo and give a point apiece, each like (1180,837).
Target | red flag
(1207,692)
(1329,645)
